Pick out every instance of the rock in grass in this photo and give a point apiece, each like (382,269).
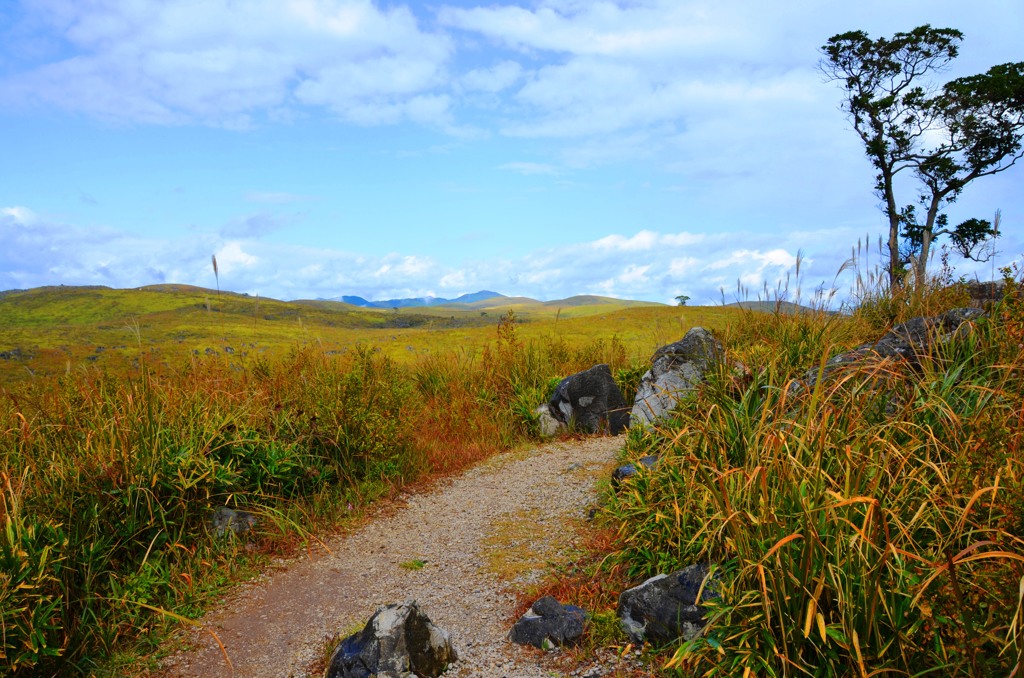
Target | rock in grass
(908,342)
(590,400)
(549,624)
(629,470)
(399,641)
(667,607)
(226,519)
(676,369)
(921,336)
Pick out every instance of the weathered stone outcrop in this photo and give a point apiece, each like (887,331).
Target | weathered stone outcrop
(667,607)
(908,342)
(591,401)
(399,641)
(675,370)
(984,294)
(548,624)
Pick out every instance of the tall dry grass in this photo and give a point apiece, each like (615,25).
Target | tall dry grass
(108,481)
(872,525)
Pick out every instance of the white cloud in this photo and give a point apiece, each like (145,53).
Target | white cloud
(455,280)
(634,275)
(644,240)
(644,264)
(21,215)
(603,28)
(494,79)
(775,257)
(682,239)
(222,63)
(682,266)
(231,257)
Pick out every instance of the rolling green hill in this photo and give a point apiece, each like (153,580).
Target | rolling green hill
(49,330)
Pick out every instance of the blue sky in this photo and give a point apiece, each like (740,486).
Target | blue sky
(639,149)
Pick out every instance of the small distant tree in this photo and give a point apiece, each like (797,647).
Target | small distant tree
(682,299)
(945,137)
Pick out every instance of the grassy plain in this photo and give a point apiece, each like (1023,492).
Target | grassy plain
(129,416)
(52,330)
(871,525)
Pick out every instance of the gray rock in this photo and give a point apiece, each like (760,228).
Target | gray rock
(549,425)
(675,370)
(590,400)
(399,641)
(909,341)
(226,519)
(984,294)
(667,607)
(920,336)
(629,470)
(548,624)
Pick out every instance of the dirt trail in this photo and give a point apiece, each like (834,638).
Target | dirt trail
(515,511)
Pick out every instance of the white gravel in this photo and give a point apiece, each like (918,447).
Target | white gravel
(277,626)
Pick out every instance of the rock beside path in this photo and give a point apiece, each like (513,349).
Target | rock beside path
(591,401)
(399,641)
(547,424)
(549,624)
(676,369)
(667,607)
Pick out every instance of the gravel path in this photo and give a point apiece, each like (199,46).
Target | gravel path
(510,515)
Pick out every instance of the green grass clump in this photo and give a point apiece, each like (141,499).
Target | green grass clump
(873,525)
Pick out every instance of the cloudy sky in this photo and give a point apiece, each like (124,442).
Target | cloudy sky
(632,148)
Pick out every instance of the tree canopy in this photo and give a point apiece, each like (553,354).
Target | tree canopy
(945,136)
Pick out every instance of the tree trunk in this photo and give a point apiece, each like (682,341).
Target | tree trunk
(927,236)
(895,265)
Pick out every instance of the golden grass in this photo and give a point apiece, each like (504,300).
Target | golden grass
(48,331)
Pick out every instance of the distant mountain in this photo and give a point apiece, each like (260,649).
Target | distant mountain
(355,301)
(475,297)
(418,301)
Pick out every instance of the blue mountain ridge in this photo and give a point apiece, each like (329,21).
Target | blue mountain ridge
(417,301)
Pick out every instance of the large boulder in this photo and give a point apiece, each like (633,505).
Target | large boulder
(675,370)
(549,624)
(548,425)
(590,400)
(907,342)
(667,607)
(399,641)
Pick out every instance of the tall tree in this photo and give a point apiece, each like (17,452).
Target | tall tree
(946,137)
